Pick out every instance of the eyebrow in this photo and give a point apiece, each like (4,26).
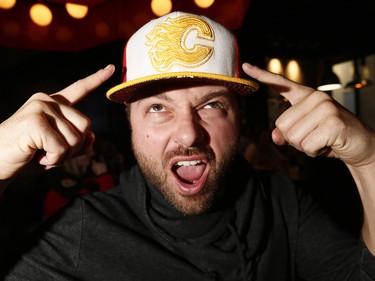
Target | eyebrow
(214,95)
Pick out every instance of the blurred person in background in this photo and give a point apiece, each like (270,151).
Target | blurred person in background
(76,176)
(263,154)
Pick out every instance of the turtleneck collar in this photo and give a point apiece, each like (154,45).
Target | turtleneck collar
(182,227)
(231,233)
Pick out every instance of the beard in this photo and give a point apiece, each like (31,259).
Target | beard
(158,174)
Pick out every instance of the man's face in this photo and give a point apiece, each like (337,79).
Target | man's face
(184,140)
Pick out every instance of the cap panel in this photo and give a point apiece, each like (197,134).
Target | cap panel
(175,45)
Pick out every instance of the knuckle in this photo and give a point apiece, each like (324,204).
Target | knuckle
(37,105)
(36,119)
(292,137)
(84,124)
(327,106)
(75,139)
(39,96)
(281,124)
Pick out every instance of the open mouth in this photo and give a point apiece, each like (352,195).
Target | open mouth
(190,175)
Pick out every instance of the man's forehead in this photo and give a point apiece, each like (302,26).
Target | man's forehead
(167,90)
(197,93)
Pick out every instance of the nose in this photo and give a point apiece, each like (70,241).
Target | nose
(189,131)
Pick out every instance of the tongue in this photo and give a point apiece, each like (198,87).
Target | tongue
(190,173)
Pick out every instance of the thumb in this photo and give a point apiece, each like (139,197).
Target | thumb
(278,137)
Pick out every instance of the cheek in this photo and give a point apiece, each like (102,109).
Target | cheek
(149,140)
(223,135)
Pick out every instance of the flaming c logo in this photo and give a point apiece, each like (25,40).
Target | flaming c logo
(170,43)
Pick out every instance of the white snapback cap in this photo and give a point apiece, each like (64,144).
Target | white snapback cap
(180,47)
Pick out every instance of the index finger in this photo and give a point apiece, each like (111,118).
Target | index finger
(81,88)
(287,88)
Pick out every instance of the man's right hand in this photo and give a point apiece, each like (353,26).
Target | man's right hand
(47,129)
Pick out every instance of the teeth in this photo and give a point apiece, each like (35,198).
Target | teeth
(188,163)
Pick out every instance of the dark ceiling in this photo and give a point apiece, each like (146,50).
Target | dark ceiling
(329,29)
(337,30)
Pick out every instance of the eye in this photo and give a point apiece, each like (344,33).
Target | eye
(156,108)
(214,104)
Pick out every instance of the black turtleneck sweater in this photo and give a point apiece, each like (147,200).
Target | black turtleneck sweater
(261,231)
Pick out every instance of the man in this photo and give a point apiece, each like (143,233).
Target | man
(192,208)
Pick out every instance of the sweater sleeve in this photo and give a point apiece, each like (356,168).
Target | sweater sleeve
(327,251)
(53,250)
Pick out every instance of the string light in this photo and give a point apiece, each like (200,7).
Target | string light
(7,4)
(204,3)
(161,7)
(76,11)
(41,14)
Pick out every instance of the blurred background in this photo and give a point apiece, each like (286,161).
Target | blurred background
(46,45)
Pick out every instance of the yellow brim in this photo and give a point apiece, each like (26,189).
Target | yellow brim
(127,90)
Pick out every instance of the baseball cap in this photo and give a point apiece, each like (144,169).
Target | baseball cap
(180,46)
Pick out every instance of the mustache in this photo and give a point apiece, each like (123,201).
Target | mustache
(189,151)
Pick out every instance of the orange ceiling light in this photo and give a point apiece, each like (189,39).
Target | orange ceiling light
(76,11)
(89,3)
(41,14)
(161,7)
(204,4)
(7,4)
(106,21)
